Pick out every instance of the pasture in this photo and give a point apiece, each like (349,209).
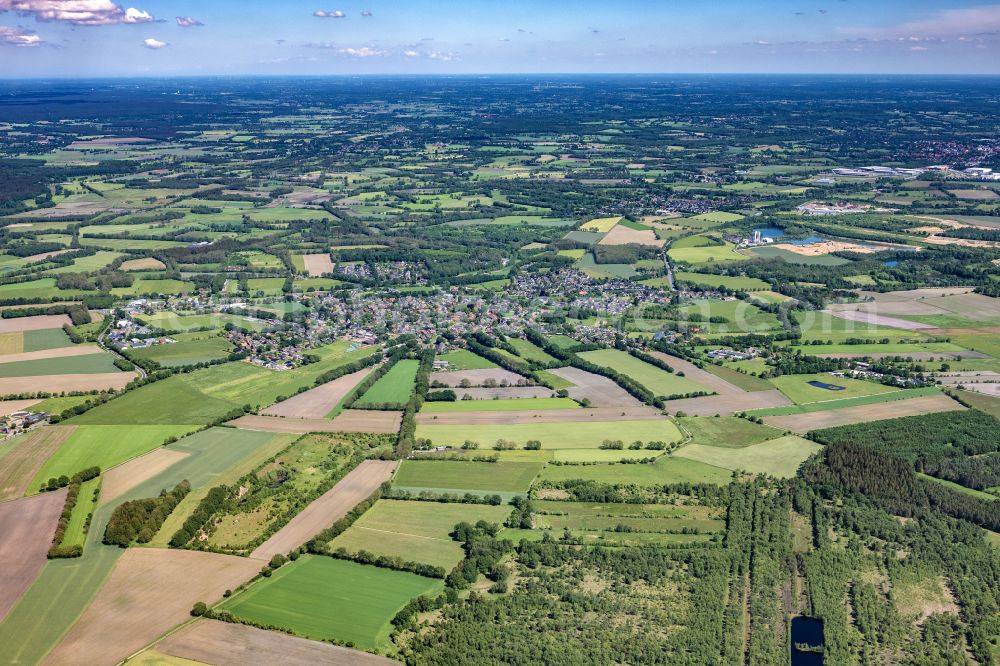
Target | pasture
(394,387)
(799,390)
(87,364)
(186,352)
(893,409)
(463,359)
(779,457)
(515,404)
(529,351)
(460,476)
(659,382)
(553,435)
(347,601)
(726,431)
(648,518)
(666,469)
(415,531)
(729,282)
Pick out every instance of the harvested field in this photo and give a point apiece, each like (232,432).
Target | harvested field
(879,320)
(540,416)
(123,478)
(350,420)
(58,352)
(601,391)
(728,405)
(35,323)
(622,235)
(31,451)
(333,505)
(802,423)
(318,402)
(225,644)
(149,592)
(505,393)
(8,407)
(57,383)
(317,264)
(825,247)
(699,376)
(918,307)
(475,377)
(27,526)
(144,264)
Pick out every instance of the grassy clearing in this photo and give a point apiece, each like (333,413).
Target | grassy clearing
(415,531)
(562,341)
(875,399)
(727,431)
(779,457)
(515,404)
(575,435)
(799,391)
(660,382)
(461,475)
(979,494)
(85,505)
(346,601)
(104,446)
(739,379)
(554,381)
(666,470)
(463,359)
(394,386)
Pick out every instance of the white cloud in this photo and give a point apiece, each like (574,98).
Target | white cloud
(336,13)
(77,12)
(363,52)
(155,44)
(188,22)
(366,13)
(945,23)
(17,37)
(443,56)
(411,54)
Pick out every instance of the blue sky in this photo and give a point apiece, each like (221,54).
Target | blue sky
(42,38)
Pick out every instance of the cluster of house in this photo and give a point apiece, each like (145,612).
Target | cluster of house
(19,421)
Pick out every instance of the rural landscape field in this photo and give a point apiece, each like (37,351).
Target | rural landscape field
(526,368)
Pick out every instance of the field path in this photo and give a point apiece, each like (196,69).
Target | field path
(123,478)
(349,420)
(333,505)
(224,644)
(27,526)
(318,402)
(20,465)
(149,592)
(697,375)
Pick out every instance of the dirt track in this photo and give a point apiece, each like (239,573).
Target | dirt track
(333,505)
(601,391)
(149,592)
(541,416)
(475,377)
(317,264)
(20,466)
(119,480)
(727,405)
(803,423)
(27,526)
(35,323)
(58,352)
(318,402)
(58,383)
(224,644)
(350,420)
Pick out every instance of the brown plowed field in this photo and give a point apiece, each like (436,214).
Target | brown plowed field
(119,480)
(879,320)
(699,376)
(727,405)
(318,402)
(541,416)
(58,383)
(20,466)
(8,407)
(622,235)
(224,644)
(27,526)
(475,377)
(505,393)
(144,264)
(803,423)
(333,505)
(350,420)
(317,264)
(149,592)
(601,391)
(35,323)
(58,352)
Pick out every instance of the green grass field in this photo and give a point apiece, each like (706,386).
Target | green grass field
(823,326)
(415,531)
(779,457)
(323,598)
(394,386)
(456,475)
(85,505)
(639,517)
(574,435)
(709,280)
(738,379)
(171,321)
(666,470)
(46,338)
(899,394)
(186,352)
(531,352)
(463,359)
(104,446)
(562,341)
(799,391)
(660,382)
(727,431)
(516,404)
(706,255)
(553,380)
(68,365)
